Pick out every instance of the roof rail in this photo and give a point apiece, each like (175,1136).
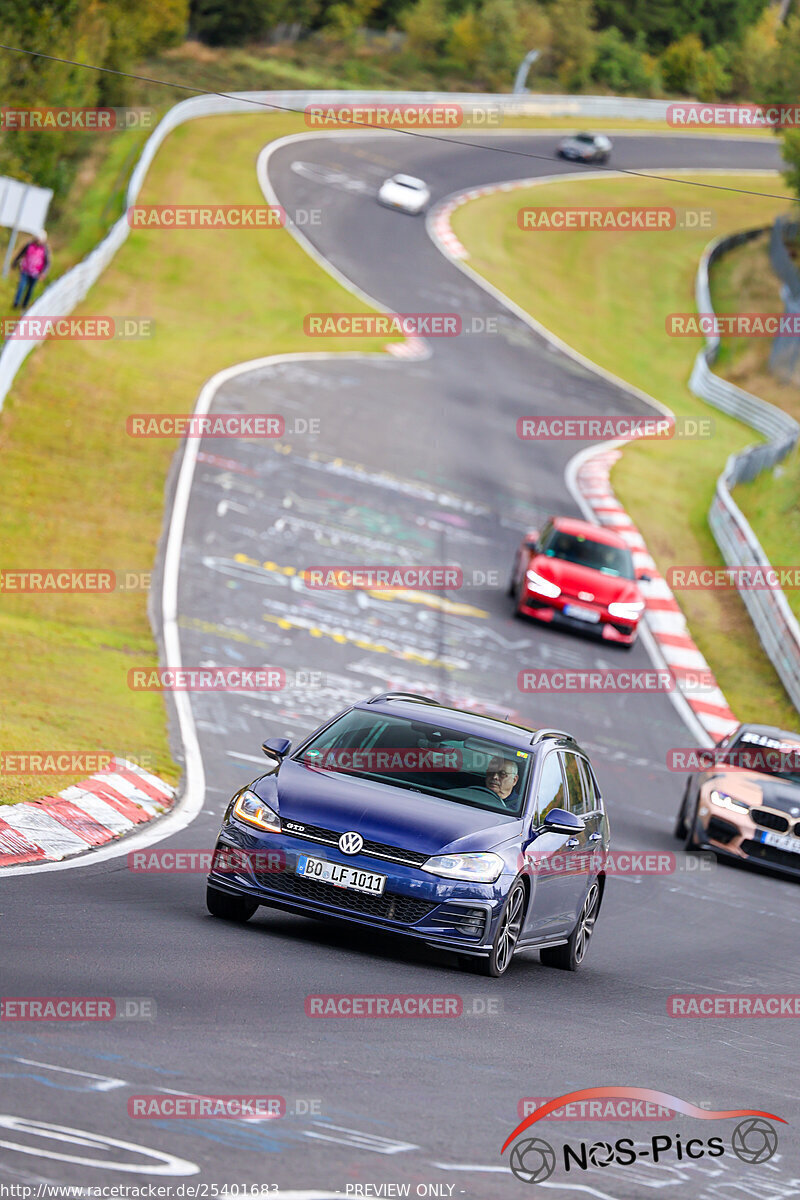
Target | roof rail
(402,696)
(539,734)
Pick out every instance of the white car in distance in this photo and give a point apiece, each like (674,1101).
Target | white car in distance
(405,192)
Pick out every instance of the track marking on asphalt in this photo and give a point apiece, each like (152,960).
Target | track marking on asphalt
(317,631)
(100,1083)
(358,1140)
(159,1162)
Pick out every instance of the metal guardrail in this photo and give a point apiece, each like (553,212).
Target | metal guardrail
(784,358)
(775,624)
(61,297)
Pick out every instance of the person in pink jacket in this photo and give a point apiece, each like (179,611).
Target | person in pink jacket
(33,261)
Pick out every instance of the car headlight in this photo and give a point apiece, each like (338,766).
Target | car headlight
(545,587)
(473,868)
(252,811)
(628,610)
(723,800)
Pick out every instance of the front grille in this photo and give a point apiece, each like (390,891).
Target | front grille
(721,831)
(467,922)
(769,820)
(330,837)
(389,906)
(772,855)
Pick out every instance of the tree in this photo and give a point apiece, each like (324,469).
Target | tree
(573,44)
(502,43)
(233,22)
(622,65)
(666,21)
(427,27)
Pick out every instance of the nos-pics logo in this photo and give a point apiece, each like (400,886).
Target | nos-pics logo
(753,1140)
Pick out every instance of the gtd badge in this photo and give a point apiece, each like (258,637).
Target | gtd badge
(350,843)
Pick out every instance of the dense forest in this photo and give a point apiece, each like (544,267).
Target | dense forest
(709,49)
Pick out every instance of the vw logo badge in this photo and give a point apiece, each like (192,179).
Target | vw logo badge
(350,843)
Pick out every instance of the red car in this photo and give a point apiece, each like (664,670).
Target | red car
(578,576)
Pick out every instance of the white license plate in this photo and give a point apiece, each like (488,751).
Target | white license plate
(581,614)
(354,878)
(783,841)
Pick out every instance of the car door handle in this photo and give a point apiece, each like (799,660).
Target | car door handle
(572,843)
(595,837)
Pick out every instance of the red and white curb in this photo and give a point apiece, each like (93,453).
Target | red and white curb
(412,347)
(662,612)
(90,813)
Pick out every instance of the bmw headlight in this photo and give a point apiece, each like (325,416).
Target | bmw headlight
(545,587)
(628,610)
(472,868)
(723,800)
(252,811)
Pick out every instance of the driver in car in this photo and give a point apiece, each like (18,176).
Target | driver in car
(502,775)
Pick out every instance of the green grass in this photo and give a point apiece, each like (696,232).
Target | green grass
(744,281)
(75,491)
(608,295)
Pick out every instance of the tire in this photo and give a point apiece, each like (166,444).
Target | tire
(508,930)
(569,956)
(512,583)
(690,842)
(229,907)
(680,829)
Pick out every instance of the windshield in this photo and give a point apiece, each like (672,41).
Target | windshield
(424,757)
(767,755)
(609,560)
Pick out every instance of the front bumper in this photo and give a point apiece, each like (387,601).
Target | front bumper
(742,839)
(609,629)
(441,912)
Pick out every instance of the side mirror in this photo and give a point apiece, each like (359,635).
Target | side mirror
(558,820)
(277,748)
(643,577)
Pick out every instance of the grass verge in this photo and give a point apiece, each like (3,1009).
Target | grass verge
(743,281)
(76,491)
(608,295)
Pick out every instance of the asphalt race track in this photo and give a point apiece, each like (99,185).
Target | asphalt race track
(414,461)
